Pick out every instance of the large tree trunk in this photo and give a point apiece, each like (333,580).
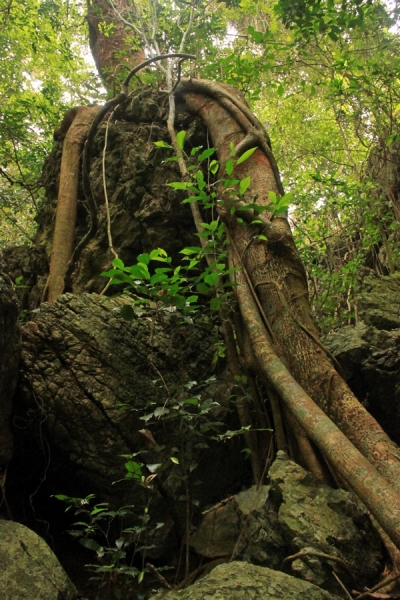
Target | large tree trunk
(279,284)
(112,47)
(279,280)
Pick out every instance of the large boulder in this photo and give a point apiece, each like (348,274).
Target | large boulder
(10,346)
(323,529)
(28,568)
(103,392)
(241,581)
(369,353)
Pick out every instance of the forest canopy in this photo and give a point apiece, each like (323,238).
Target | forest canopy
(323,77)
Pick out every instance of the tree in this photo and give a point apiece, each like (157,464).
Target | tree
(275,332)
(42,72)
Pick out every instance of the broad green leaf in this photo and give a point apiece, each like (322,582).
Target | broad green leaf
(200,180)
(90,543)
(244,184)
(180,185)
(229,166)
(158,253)
(202,288)
(180,139)
(117,263)
(214,166)
(143,258)
(195,150)
(215,303)
(212,279)
(246,155)
(207,153)
(191,250)
(162,144)
(230,181)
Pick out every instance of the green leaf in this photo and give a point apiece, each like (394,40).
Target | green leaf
(202,288)
(246,155)
(280,210)
(214,166)
(229,167)
(272,197)
(191,250)
(134,469)
(180,185)
(215,303)
(180,139)
(230,181)
(61,497)
(232,148)
(206,154)
(395,137)
(158,254)
(91,544)
(143,258)
(200,180)
(162,144)
(244,184)
(117,263)
(195,150)
(174,460)
(212,278)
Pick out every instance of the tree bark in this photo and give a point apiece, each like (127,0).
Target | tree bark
(64,228)
(111,49)
(279,280)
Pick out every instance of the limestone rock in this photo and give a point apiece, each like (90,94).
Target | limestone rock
(295,514)
(95,384)
(243,581)
(369,353)
(28,568)
(378,304)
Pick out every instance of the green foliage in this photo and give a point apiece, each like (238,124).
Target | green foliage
(116,554)
(42,73)
(180,287)
(326,84)
(326,16)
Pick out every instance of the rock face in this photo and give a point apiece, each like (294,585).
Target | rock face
(28,568)
(369,353)
(243,581)
(98,386)
(145,213)
(10,346)
(295,515)
(32,265)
